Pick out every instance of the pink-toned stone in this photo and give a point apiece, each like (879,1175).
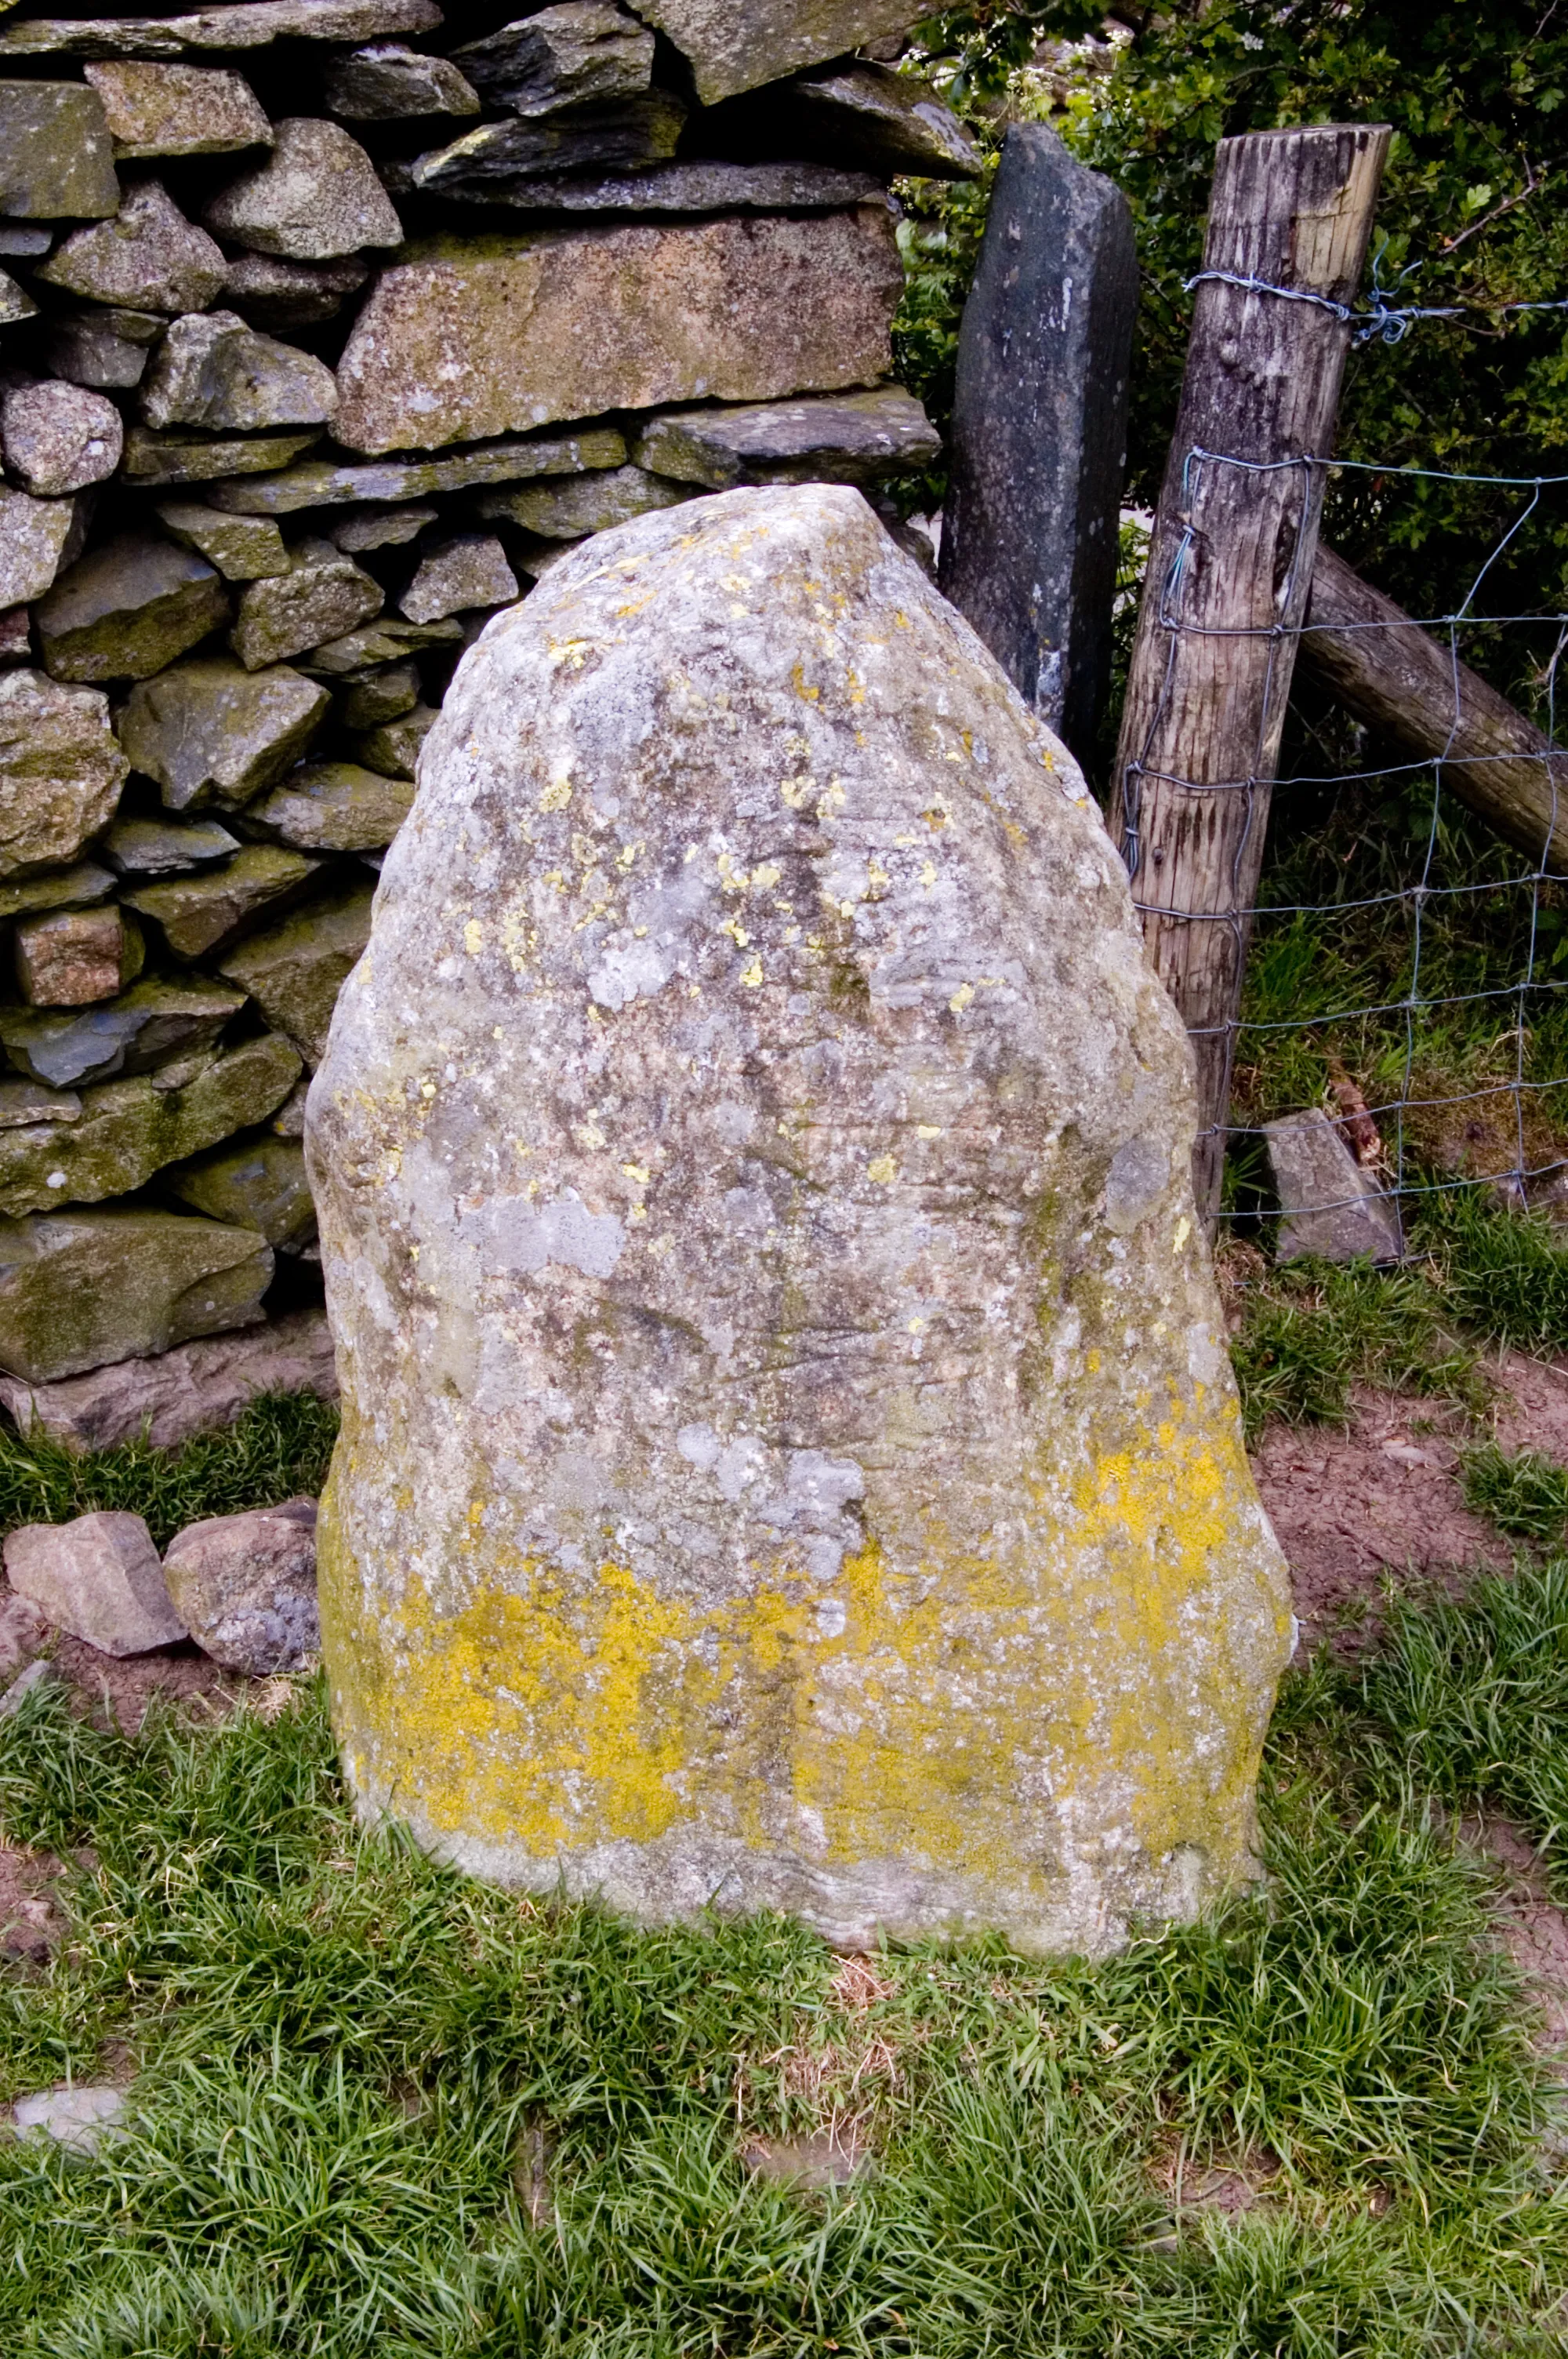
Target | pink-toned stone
(99,1578)
(188,1390)
(246,1587)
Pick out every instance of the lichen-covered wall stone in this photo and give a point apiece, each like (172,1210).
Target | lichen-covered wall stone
(790,1456)
(60,770)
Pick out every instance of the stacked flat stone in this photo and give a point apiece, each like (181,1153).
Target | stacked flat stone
(326,327)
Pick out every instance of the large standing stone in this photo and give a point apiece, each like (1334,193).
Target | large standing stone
(733,45)
(149,257)
(315,197)
(129,1129)
(213,370)
(35,538)
(58,438)
(60,771)
(204,913)
(98,1577)
(57,160)
(105,349)
(211,731)
(164,110)
(247,1585)
(323,594)
(78,1289)
(850,438)
(126,609)
(1029,531)
(185,1391)
(151,1022)
(486,336)
(790,1455)
(237,25)
(294,972)
(389,81)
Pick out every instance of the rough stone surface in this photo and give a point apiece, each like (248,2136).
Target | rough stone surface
(105,349)
(247,1585)
(259,1184)
(272,292)
(26,240)
(395,747)
(315,197)
(15,302)
(78,2118)
(856,437)
(376,527)
(332,807)
(35,539)
(625,137)
(733,45)
(59,888)
(577,53)
(182,458)
(198,914)
(389,81)
(698,187)
(243,549)
(161,847)
(23,1632)
(295,971)
(188,1390)
(469,572)
(129,1129)
(790,1454)
(323,594)
(58,438)
(1029,531)
(469,338)
(164,110)
(378,643)
(60,771)
(128,608)
(81,1288)
(153,1021)
(380,697)
(1329,1204)
(566,509)
(149,258)
(251,24)
(858,114)
(320,485)
(212,371)
(71,957)
(22,1103)
(99,1578)
(57,161)
(212,733)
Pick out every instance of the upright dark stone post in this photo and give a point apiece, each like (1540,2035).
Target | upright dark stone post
(1029,533)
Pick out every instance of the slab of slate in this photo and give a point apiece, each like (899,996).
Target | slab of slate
(214,372)
(28,240)
(128,608)
(36,539)
(469,571)
(165,847)
(734,45)
(61,770)
(182,457)
(1030,530)
(244,549)
(256,1183)
(637,317)
(378,643)
(177,109)
(377,698)
(70,958)
(393,747)
(573,54)
(59,437)
(1330,1206)
(106,349)
(99,1578)
(81,1288)
(252,25)
(191,1389)
(247,1585)
(332,807)
(212,732)
(625,137)
(207,912)
(295,971)
(569,508)
(855,438)
(77,886)
(153,1023)
(381,527)
(149,258)
(272,292)
(319,483)
(861,116)
(57,158)
(315,197)
(390,82)
(22,1103)
(323,594)
(700,186)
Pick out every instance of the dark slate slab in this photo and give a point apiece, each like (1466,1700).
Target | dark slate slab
(696,188)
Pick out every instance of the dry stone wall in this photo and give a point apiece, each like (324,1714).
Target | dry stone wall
(326,327)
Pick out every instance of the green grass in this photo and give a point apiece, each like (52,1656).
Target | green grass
(277,1447)
(351,2061)
(1523,1492)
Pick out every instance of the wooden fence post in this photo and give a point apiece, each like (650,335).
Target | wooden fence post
(1230,570)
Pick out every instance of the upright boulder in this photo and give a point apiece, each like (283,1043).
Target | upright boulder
(790,1457)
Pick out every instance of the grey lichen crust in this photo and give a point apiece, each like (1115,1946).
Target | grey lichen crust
(790,1456)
